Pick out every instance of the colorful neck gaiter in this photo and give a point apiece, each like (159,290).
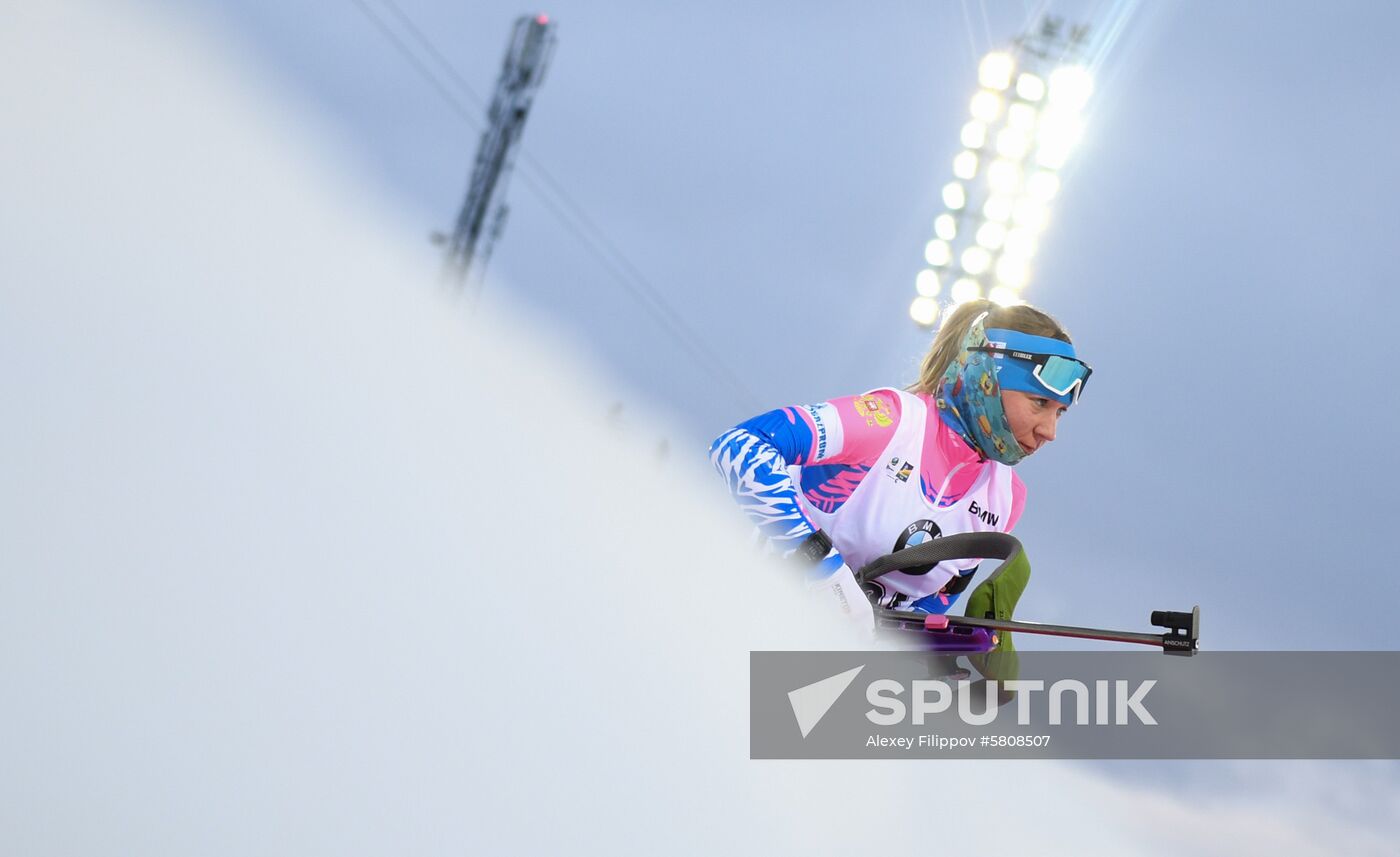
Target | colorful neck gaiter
(969,400)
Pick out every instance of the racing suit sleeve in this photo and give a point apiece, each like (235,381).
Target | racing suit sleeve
(753,457)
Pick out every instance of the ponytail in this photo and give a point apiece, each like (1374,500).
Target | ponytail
(948,342)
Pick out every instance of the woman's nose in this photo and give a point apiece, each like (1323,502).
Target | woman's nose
(1046,428)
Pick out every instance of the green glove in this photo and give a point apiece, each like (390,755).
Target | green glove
(996,598)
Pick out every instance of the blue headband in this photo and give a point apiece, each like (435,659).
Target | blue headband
(1013,374)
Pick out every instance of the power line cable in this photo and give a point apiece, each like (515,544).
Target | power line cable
(423,71)
(432,50)
(569,212)
(534,163)
(644,290)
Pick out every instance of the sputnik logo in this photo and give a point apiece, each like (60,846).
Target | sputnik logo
(810,703)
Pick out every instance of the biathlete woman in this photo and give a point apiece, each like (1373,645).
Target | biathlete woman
(843,482)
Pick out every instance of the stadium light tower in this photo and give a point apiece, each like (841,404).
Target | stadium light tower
(527,56)
(1026,117)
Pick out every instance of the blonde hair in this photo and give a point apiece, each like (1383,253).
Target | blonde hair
(948,342)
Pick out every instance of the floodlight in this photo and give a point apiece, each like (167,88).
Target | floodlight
(974,134)
(1030,213)
(995,70)
(1071,86)
(1043,185)
(1021,241)
(1004,296)
(1027,116)
(1021,117)
(1013,271)
(1059,127)
(965,290)
(991,235)
(965,165)
(1013,144)
(1052,157)
(924,310)
(1003,176)
(976,260)
(954,196)
(1030,87)
(986,106)
(998,208)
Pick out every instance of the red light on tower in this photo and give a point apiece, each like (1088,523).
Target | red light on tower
(542,19)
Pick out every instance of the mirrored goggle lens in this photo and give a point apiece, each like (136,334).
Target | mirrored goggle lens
(1060,374)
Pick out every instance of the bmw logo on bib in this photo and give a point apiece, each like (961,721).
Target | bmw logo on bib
(916,534)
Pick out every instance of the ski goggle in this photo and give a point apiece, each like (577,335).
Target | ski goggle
(1061,375)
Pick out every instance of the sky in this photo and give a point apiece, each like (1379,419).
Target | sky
(772,173)
(269,487)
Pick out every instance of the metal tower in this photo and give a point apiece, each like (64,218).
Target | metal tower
(527,54)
